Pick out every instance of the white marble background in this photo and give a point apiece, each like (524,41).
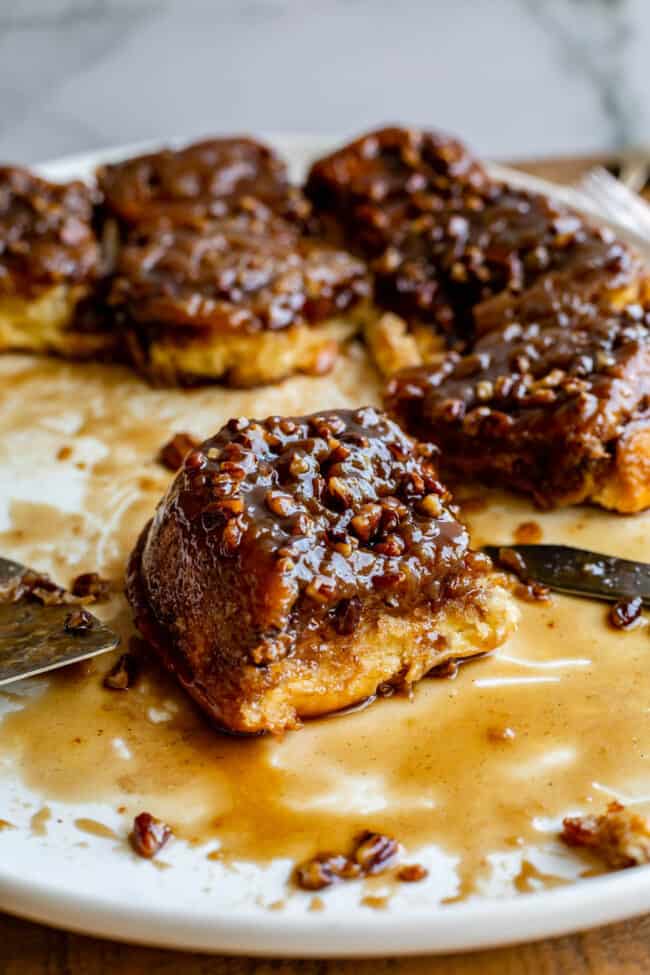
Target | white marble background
(514,77)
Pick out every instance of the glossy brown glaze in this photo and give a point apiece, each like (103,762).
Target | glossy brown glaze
(539,407)
(245,273)
(46,235)
(308,528)
(335,505)
(374,187)
(466,265)
(449,246)
(592,275)
(199,180)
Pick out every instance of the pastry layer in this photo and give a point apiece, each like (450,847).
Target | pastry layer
(173,357)
(49,264)
(53,322)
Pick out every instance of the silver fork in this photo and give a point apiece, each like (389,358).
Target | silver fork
(616,201)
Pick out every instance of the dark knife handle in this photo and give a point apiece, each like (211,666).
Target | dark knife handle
(579,572)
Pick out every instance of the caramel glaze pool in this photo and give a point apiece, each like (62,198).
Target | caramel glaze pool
(556,721)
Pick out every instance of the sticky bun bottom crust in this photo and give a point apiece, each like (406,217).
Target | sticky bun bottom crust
(191,357)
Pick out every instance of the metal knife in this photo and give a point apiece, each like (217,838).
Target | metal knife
(36,637)
(579,572)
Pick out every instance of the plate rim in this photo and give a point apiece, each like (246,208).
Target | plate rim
(336,934)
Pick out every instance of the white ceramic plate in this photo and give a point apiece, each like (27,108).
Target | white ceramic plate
(100,888)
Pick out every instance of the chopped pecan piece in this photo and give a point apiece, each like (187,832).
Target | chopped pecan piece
(373,853)
(324,870)
(149,835)
(79,621)
(175,450)
(619,836)
(90,585)
(122,674)
(412,873)
(625,613)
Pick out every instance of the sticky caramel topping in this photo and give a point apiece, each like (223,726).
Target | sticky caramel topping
(449,262)
(315,513)
(197,181)
(247,272)
(446,240)
(536,405)
(45,232)
(379,181)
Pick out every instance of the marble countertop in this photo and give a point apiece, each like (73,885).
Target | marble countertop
(514,77)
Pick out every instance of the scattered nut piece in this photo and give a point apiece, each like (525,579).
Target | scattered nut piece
(173,453)
(35,585)
(149,835)
(324,870)
(122,674)
(412,873)
(91,585)
(620,837)
(78,621)
(373,853)
(512,560)
(528,589)
(532,592)
(625,613)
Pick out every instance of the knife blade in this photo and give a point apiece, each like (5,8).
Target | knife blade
(579,572)
(36,637)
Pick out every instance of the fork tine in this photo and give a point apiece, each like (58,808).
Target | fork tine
(616,200)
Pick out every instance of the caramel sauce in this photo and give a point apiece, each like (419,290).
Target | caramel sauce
(94,828)
(438,768)
(38,822)
(376,902)
(530,878)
